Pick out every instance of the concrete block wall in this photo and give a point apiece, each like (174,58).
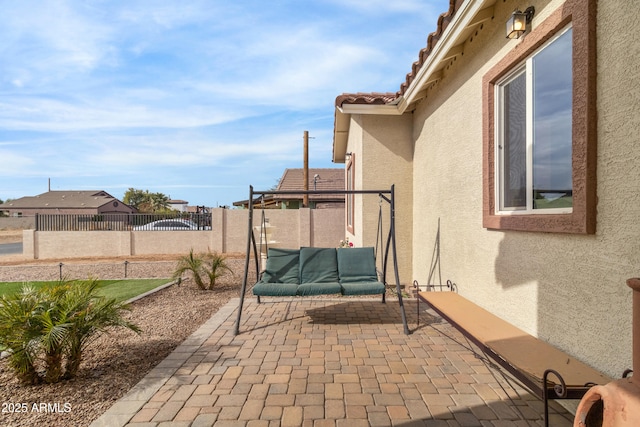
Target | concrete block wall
(289,229)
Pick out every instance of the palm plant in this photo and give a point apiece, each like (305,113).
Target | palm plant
(89,316)
(159,202)
(53,325)
(209,265)
(191,263)
(18,334)
(216,266)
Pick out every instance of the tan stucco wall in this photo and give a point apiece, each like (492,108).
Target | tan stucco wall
(383,150)
(170,242)
(354,145)
(568,289)
(78,244)
(290,228)
(328,227)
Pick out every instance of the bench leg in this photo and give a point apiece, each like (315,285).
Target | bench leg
(560,390)
(416,288)
(383,298)
(258,296)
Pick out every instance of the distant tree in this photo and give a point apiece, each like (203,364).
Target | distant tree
(159,202)
(134,198)
(2,213)
(146,202)
(274,187)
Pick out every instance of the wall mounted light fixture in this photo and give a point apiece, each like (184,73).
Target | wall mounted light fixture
(517,23)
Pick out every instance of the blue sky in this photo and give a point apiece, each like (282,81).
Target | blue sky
(193,99)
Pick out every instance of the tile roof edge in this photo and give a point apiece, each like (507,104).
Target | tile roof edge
(376,98)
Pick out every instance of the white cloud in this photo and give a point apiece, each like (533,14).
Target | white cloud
(53,37)
(50,115)
(385,7)
(14,163)
(191,93)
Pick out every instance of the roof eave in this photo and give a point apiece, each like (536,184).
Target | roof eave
(450,44)
(342,122)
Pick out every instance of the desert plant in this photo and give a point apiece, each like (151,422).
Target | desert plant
(191,263)
(211,265)
(88,316)
(19,334)
(48,328)
(215,267)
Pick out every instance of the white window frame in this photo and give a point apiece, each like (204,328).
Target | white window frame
(527,68)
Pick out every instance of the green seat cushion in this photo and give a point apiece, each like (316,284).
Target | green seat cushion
(309,289)
(357,265)
(363,288)
(318,265)
(275,289)
(282,266)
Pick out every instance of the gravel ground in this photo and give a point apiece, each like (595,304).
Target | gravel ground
(114,362)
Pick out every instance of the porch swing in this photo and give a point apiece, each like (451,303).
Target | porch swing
(310,271)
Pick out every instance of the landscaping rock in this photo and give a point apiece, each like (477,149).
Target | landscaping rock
(114,362)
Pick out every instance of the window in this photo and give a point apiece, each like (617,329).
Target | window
(350,198)
(540,127)
(533,133)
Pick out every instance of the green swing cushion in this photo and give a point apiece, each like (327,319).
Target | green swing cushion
(357,265)
(318,265)
(281,275)
(263,289)
(358,276)
(318,272)
(283,266)
(363,288)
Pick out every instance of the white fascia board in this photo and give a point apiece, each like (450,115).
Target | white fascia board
(448,42)
(340,135)
(386,109)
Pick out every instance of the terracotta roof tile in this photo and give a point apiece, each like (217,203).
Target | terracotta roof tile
(374,98)
(384,98)
(329,179)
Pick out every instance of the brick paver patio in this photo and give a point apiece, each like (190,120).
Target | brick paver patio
(326,362)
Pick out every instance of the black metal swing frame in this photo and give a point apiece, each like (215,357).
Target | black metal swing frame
(386,195)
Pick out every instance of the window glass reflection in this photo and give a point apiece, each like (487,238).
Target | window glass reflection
(552,124)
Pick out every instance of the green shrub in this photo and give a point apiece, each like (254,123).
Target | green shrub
(215,266)
(191,263)
(209,265)
(46,330)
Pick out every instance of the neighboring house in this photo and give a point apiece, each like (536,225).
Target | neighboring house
(515,160)
(66,202)
(259,202)
(197,209)
(178,205)
(324,179)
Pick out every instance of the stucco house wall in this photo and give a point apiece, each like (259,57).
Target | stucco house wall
(568,289)
(355,146)
(375,141)
(564,285)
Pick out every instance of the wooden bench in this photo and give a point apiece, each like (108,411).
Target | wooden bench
(529,359)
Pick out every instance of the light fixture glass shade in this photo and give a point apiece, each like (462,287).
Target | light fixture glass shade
(516,25)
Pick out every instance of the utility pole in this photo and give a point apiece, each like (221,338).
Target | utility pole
(305,198)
